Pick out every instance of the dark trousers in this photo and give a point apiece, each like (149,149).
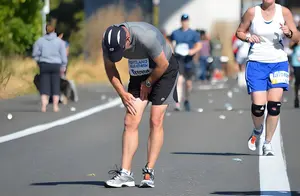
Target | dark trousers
(297,75)
(203,67)
(49,79)
(297,80)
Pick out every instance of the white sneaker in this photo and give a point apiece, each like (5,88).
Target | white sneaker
(120,179)
(267,150)
(177,108)
(254,139)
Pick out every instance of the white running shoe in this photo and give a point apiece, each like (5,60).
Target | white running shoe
(267,150)
(120,179)
(254,139)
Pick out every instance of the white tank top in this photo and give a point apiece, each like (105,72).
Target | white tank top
(270,49)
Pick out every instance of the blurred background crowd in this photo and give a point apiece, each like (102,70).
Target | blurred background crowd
(81,23)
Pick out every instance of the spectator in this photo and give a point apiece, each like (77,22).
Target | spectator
(50,54)
(235,45)
(291,50)
(216,52)
(242,54)
(241,59)
(204,54)
(296,67)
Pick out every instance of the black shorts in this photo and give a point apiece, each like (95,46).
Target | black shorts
(297,75)
(164,91)
(186,66)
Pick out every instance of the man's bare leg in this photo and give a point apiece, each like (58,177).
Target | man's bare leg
(156,136)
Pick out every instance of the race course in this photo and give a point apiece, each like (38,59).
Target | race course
(205,151)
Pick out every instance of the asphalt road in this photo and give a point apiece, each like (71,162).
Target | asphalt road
(202,154)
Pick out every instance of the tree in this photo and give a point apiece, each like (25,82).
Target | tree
(69,19)
(20,25)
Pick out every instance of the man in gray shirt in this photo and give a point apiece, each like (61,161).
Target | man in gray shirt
(153,76)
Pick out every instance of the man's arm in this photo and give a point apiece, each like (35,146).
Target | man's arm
(157,54)
(197,46)
(288,17)
(161,66)
(113,76)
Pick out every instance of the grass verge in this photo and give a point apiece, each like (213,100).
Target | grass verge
(16,74)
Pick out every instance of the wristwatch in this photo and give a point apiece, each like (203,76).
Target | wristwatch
(148,84)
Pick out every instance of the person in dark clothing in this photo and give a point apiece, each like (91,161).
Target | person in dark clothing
(204,54)
(49,52)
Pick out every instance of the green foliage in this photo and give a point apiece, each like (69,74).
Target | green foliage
(54,4)
(69,18)
(20,25)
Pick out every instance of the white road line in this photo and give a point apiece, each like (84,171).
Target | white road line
(272,169)
(63,121)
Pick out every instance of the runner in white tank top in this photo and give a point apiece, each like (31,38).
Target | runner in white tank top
(270,49)
(267,69)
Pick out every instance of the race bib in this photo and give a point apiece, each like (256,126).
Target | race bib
(182,49)
(279,77)
(139,67)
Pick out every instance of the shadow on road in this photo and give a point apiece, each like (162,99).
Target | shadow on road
(214,153)
(94,183)
(274,193)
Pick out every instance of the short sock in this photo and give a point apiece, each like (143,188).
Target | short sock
(258,131)
(267,142)
(125,171)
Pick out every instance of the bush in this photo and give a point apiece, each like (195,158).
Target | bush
(20,25)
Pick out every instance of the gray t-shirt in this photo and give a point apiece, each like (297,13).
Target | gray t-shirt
(147,42)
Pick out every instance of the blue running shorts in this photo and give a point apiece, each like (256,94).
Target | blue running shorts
(264,76)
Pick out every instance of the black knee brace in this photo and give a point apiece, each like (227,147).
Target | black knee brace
(258,110)
(274,108)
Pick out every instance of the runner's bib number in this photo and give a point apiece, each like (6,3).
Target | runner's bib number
(139,67)
(279,77)
(182,49)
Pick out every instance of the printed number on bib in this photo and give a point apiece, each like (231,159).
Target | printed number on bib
(139,67)
(279,77)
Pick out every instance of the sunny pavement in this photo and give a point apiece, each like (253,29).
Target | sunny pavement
(203,153)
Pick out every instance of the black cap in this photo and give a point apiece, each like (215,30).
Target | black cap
(184,17)
(114,40)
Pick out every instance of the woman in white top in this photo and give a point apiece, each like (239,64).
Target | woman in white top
(267,69)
